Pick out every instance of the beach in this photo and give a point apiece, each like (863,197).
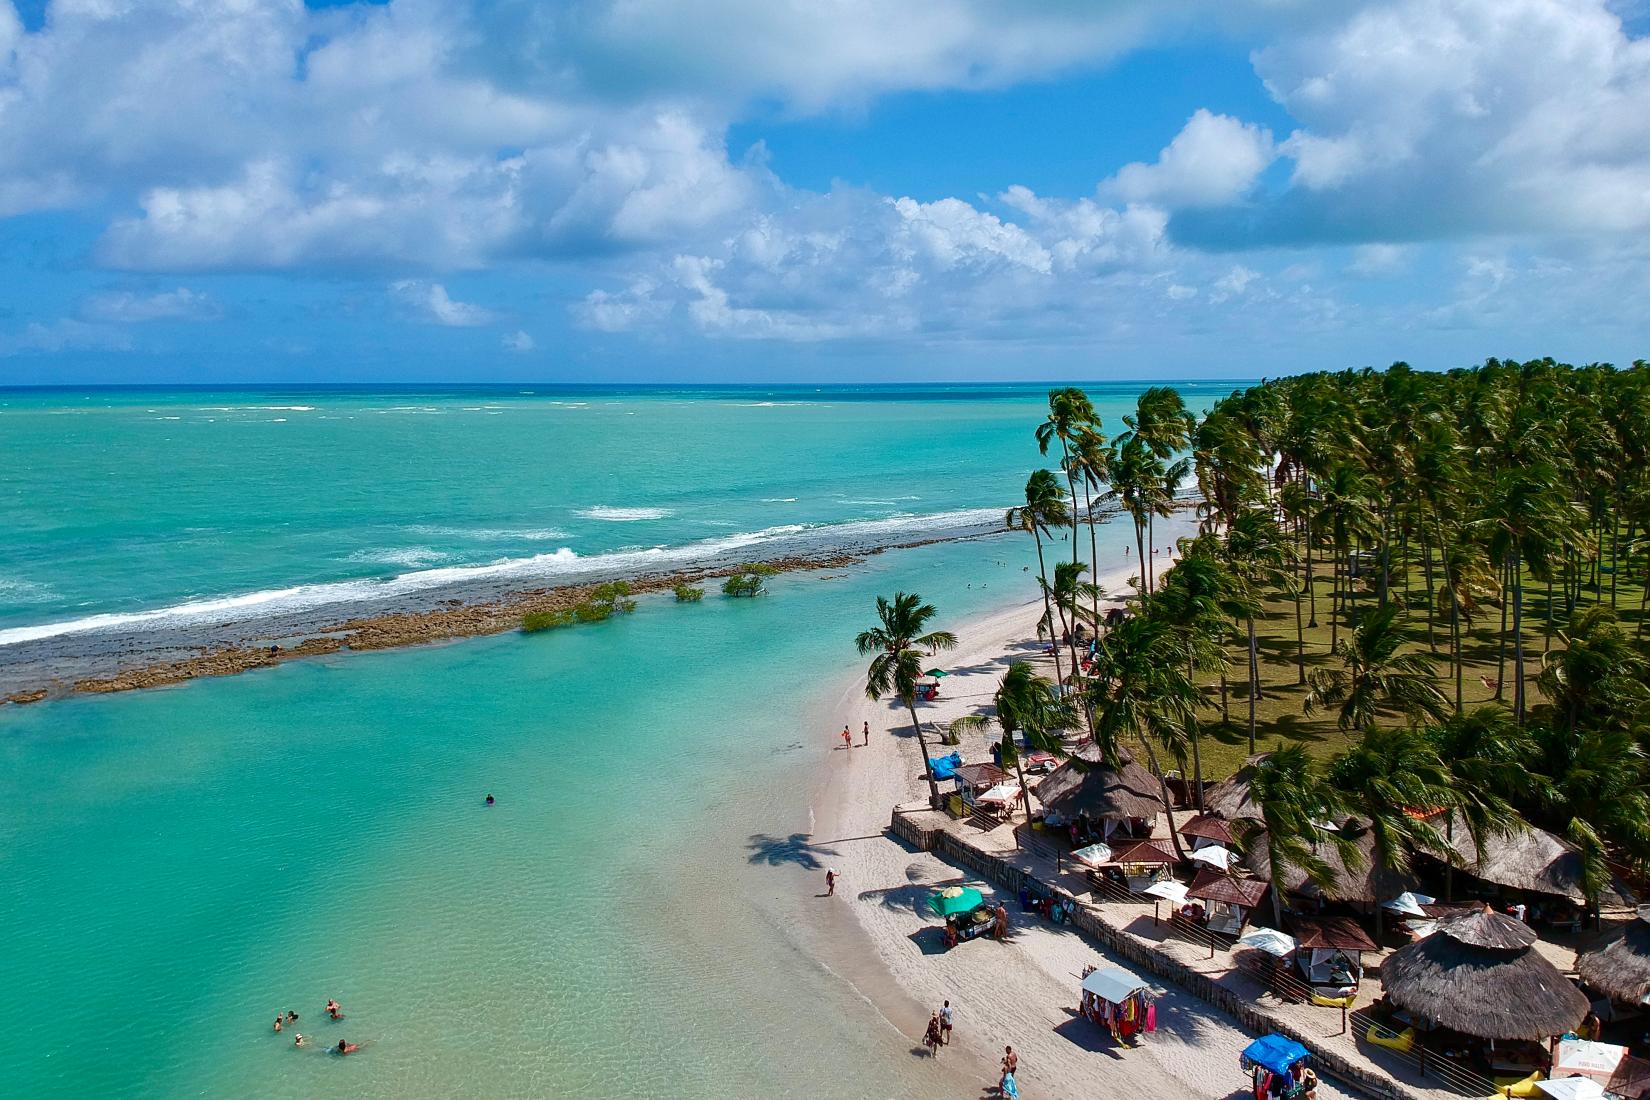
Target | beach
(1023,992)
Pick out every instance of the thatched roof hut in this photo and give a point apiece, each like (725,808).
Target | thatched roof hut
(1479,974)
(1531,859)
(1083,785)
(1619,967)
(1229,799)
(1366,885)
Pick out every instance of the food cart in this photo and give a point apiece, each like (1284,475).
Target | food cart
(967,914)
(1277,1069)
(1120,1003)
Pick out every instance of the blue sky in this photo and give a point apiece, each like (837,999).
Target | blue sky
(748,190)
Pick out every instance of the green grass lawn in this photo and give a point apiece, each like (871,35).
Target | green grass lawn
(1279,712)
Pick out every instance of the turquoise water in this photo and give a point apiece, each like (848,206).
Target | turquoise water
(178,865)
(123,501)
(181,864)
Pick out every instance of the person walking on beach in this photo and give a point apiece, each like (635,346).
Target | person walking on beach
(931,1038)
(1002,921)
(847,738)
(945,1023)
(867,732)
(1008,1086)
(830,882)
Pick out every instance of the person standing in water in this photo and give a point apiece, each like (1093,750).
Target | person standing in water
(299,1041)
(277,1023)
(334,1009)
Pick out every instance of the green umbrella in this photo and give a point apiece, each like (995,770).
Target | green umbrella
(936,673)
(956,899)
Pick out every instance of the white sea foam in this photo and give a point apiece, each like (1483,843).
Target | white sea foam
(623,515)
(492,534)
(778,500)
(552,567)
(16,590)
(412,557)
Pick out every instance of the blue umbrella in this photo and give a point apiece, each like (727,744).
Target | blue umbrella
(1274,1052)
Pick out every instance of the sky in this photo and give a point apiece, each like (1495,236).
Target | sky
(816,190)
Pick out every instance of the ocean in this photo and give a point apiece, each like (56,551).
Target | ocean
(632,917)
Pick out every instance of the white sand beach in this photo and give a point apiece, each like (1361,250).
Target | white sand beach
(1023,992)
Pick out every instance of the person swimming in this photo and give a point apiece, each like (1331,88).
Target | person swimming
(489,800)
(291,1016)
(347,1048)
(299,1041)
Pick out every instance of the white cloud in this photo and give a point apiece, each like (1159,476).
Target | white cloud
(1427,118)
(64,334)
(1374,261)
(430,302)
(518,341)
(127,307)
(1235,283)
(1215,159)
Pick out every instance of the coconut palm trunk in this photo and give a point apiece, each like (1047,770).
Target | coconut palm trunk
(1048,606)
(922,745)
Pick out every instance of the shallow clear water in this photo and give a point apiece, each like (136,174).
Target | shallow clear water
(630,920)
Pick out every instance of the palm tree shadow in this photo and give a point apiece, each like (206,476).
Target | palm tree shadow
(798,848)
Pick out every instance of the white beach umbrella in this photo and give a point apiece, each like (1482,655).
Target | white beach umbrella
(1269,940)
(1572,1088)
(1408,903)
(1002,792)
(1214,855)
(1094,855)
(1168,890)
(1590,1058)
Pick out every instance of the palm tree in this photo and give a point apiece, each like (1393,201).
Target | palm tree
(1467,582)
(1092,461)
(1343,513)
(1135,476)
(1393,779)
(1029,705)
(899,641)
(1293,799)
(1526,516)
(1375,676)
(1598,678)
(1140,693)
(1260,559)
(1195,601)
(1163,423)
(1595,795)
(1044,506)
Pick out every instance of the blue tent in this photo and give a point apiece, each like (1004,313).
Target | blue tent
(1273,1052)
(945,767)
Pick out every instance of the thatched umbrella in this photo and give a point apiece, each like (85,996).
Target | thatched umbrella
(1082,786)
(1619,967)
(1479,974)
